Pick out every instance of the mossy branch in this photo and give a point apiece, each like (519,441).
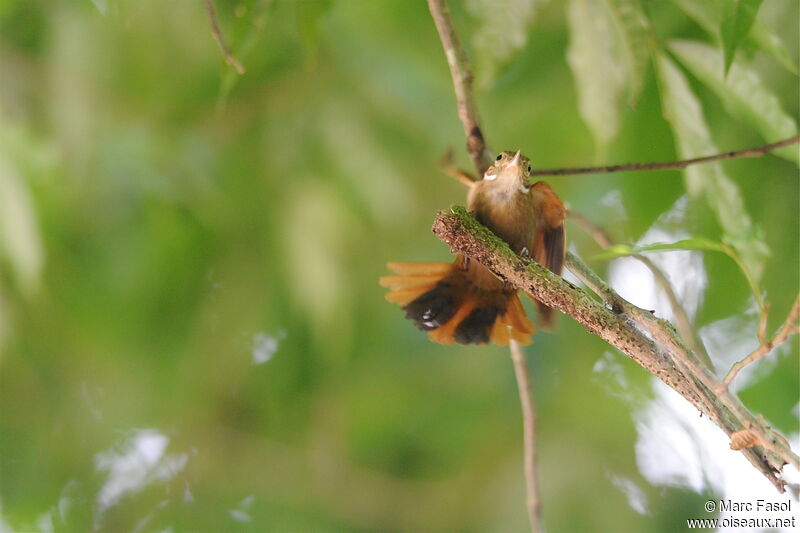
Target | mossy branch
(653,343)
(682,321)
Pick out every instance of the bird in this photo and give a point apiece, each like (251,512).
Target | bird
(463,301)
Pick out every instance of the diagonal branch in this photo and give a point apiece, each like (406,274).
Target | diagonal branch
(790,327)
(684,325)
(721,406)
(448,167)
(649,341)
(223,45)
(669,165)
(462,83)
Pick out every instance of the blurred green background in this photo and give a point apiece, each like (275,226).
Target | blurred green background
(192,337)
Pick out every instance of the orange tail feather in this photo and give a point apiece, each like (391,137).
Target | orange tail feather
(440,298)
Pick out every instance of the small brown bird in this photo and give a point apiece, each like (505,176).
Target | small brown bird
(463,301)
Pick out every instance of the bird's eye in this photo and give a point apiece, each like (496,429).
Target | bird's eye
(499,157)
(529,169)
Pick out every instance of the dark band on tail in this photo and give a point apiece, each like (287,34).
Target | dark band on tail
(435,311)
(476,327)
(443,300)
(434,308)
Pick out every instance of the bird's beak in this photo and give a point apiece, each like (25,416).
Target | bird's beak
(515,162)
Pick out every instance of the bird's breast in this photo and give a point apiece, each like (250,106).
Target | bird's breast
(508,213)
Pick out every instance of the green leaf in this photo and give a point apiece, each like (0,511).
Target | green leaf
(20,239)
(743,93)
(737,19)
(503,31)
(727,31)
(771,44)
(635,34)
(594,56)
(682,110)
(706,14)
(695,243)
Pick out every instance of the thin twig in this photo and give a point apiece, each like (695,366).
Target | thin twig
(462,83)
(682,322)
(597,233)
(669,165)
(650,341)
(481,158)
(529,435)
(223,46)
(763,319)
(790,327)
(451,169)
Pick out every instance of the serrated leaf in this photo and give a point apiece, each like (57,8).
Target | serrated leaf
(683,111)
(743,93)
(737,18)
(597,66)
(695,243)
(706,14)
(634,39)
(503,31)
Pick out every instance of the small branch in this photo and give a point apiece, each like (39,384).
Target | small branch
(669,165)
(451,169)
(714,398)
(682,321)
(790,327)
(462,83)
(659,329)
(481,159)
(656,346)
(597,233)
(230,59)
(762,322)
(649,341)
(529,433)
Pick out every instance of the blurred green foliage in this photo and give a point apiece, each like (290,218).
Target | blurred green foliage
(160,214)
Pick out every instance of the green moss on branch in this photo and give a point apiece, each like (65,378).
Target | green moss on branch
(653,343)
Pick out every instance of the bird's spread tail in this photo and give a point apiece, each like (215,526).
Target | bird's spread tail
(440,298)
